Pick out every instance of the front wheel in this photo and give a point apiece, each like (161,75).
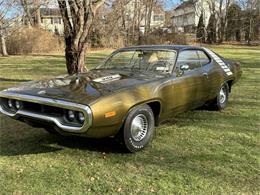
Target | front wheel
(221,101)
(138,129)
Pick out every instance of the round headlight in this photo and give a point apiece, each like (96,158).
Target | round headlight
(81,117)
(17,105)
(71,115)
(10,103)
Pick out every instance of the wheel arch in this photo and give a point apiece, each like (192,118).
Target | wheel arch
(156,108)
(230,84)
(154,104)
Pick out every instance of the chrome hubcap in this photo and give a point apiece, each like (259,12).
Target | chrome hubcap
(222,95)
(139,127)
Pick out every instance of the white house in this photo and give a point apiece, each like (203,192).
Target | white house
(186,16)
(51,20)
(157,15)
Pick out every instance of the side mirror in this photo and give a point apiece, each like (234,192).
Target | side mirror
(184,67)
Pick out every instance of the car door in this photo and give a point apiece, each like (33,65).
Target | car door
(213,75)
(188,83)
(208,72)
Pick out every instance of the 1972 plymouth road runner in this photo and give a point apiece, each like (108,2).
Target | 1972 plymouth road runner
(128,95)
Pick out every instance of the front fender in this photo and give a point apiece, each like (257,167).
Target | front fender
(110,112)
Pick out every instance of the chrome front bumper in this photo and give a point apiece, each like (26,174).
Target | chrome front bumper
(43,117)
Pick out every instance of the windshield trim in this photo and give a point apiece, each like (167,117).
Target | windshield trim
(135,50)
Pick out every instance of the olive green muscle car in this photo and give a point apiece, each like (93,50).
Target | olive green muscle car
(134,90)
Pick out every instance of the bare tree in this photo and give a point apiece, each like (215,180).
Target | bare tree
(32,11)
(3,44)
(149,5)
(222,18)
(117,21)
(125,21)
(2,16)
(27,13)
(8,18)
(78,17)
(250,18)
(37,6)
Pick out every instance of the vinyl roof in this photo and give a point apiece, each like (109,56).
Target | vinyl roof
(170,47)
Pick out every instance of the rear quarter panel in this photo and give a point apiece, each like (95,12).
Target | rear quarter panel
(236,69)
(221,73)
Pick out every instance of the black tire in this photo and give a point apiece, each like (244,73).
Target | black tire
(221,101)
(138,129)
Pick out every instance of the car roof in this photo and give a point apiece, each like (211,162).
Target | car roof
(169,47)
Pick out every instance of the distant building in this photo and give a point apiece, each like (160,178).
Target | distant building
(186,16)
(51,20)
(157,19)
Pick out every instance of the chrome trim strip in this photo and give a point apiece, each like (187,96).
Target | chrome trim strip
(51,102)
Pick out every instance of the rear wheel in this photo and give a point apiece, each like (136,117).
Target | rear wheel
(138,129)
(221,101)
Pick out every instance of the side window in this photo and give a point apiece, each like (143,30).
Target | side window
(204,59)
(189,57)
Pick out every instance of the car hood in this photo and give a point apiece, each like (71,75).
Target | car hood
(86,87)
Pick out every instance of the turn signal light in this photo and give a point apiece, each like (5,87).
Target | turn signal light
(110,114)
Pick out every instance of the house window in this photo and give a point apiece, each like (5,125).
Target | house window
(56,20)
(158,18)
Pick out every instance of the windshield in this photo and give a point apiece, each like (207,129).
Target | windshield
(161,61)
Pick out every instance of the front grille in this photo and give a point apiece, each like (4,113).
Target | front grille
(43,109)
(68,116)
(61,114)
(33,107)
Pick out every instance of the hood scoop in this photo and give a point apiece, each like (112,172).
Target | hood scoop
(108,79)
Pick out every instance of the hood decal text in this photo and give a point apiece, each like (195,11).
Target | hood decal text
(108,79)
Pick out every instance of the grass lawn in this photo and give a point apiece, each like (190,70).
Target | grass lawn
(198,152)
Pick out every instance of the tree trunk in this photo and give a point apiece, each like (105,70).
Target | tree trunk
(75,60)
(78,17)
(250,30)
(134,21)
(4,51)
(149,15)
(28,17)
(37,6)
(75,57)
(221,30)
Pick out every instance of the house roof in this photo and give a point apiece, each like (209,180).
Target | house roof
(47,11)
(185,4)
(50,12)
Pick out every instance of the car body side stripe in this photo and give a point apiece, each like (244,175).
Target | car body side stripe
(220,62)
